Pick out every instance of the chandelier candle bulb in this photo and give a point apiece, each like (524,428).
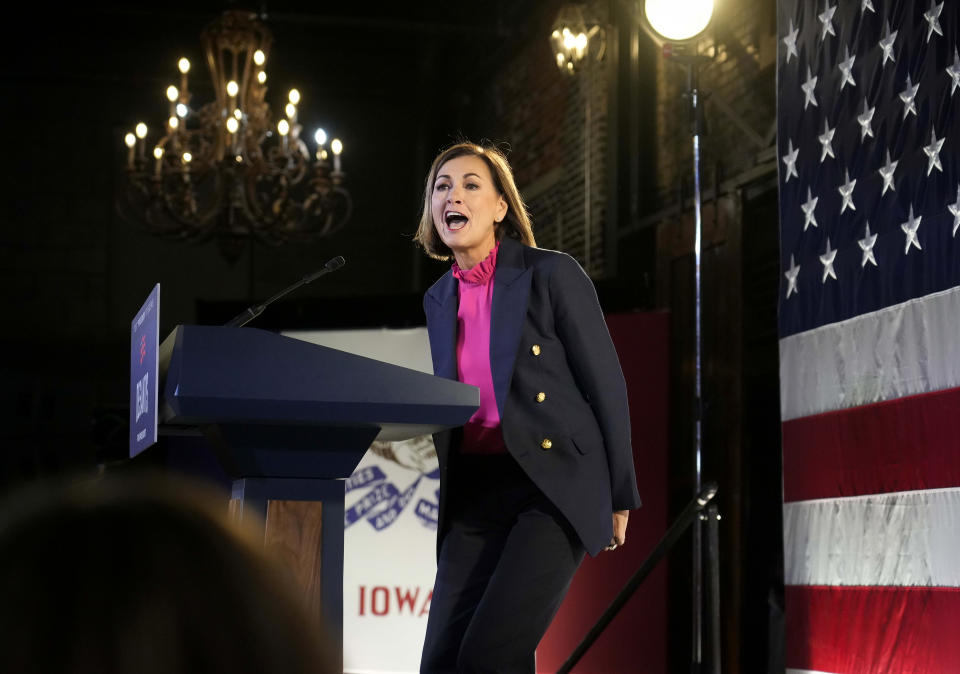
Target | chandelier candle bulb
(262,77)
(141,131)
(232,90)
(232,126)
(294,96)
(337,148)
(158,164)
(283,127)
(173,122)
(172,94)
(131,142)
(184,66)
(259,57)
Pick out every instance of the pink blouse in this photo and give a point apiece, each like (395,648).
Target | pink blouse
(481,434)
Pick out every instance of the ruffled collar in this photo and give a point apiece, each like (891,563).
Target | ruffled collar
(480,273)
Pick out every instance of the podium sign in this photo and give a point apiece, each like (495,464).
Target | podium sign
(144,365)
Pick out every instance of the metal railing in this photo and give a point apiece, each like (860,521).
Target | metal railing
(693,511)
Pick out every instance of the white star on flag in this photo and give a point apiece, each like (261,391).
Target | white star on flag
(886,172)
(792,273)
(867,4)
(864,120)
(910,228)
(826,140)
(846,192)
(846,69)
(827,260)
(790,159)
(954,71)
(808,88)
(932,17)
(866,245)
(791,41)
(954,209)
(907,96)
(933,152)
(808,207)
(886,43)
(826,18)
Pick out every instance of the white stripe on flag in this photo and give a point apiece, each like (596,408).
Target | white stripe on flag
(903,538)
(901,350)
(804,671)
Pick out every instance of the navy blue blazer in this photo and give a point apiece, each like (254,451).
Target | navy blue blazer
(548,335)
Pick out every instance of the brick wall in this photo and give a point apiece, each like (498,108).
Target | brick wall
(740,105)
(556,125)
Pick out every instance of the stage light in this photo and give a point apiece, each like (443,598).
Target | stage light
(675,21)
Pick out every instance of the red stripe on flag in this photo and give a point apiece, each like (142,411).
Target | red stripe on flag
(898,445)
(878,629)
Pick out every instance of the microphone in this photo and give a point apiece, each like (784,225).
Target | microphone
(250,313)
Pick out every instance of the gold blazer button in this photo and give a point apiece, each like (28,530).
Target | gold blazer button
(535,349)
(546,444)
(541,397)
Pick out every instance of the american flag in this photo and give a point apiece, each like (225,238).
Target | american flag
(869,142)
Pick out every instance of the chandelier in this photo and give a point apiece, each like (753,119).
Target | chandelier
(226,170)
(571,39)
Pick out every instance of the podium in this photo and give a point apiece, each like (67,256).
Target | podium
(288,421)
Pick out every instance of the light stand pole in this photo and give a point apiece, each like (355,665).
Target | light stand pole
(693,92)
(677,25)
(692,63)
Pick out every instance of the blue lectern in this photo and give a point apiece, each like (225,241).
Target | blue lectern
(289,420)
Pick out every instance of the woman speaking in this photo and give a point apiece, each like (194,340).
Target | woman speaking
(543,472)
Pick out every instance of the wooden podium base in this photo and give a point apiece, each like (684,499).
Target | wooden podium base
(302,521)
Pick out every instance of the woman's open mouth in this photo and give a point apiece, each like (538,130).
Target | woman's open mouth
(455,220)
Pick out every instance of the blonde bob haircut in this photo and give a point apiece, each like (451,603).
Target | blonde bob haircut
(516,223)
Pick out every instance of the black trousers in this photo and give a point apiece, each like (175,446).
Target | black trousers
(505,565)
